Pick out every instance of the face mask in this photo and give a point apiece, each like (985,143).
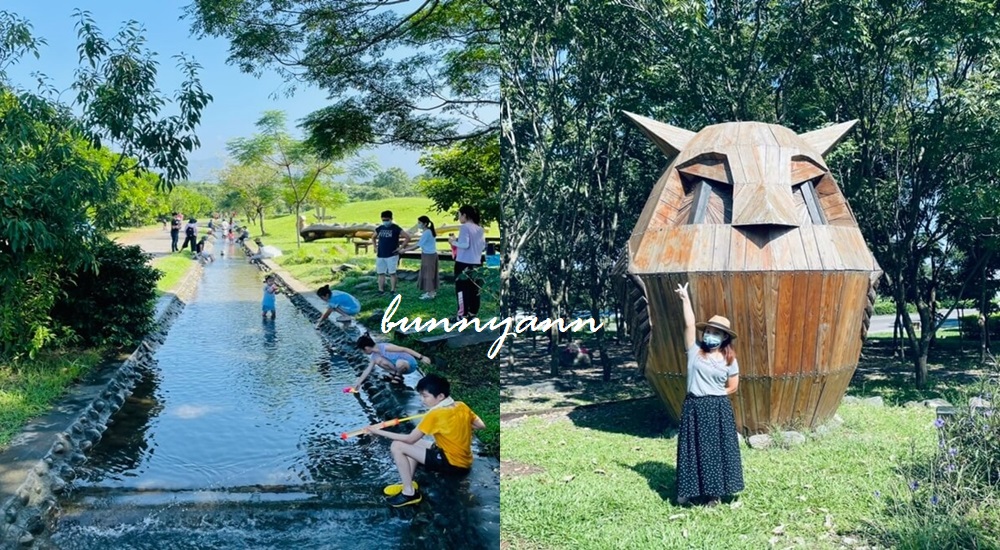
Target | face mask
(712,341)
(386,223)
(421,226)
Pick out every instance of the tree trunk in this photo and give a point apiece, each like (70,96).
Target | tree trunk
(920,365)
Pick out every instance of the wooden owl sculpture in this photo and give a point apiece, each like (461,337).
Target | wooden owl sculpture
(749,215)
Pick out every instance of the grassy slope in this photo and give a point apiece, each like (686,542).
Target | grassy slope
(475,377)
(29,389)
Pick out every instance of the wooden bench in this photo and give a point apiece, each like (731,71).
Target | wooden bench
(359,244)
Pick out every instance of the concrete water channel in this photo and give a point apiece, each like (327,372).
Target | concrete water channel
(230,438)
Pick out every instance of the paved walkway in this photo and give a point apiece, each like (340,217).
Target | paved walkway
(883,323)
(155,241)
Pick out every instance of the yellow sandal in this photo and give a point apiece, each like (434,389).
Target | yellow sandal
(395,489)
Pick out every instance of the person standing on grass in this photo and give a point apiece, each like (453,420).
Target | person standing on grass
(191,235)
(386,242)
(175,231)
(427,279)
(470,244)
(708,451)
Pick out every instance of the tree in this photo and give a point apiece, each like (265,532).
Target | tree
(396,181)
(413,77)
(467,172)
(254,188)
(50,185)
(294,161)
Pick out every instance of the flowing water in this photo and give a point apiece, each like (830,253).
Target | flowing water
(231,440)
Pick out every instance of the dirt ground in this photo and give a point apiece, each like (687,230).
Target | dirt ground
(527,385)
(528,388)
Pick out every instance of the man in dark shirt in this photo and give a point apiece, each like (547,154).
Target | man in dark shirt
(175,230)
(386,241)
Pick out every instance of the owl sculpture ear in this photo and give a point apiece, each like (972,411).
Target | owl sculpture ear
(823,140)
(670,139)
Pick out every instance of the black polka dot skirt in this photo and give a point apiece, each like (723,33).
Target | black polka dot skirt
(708,452)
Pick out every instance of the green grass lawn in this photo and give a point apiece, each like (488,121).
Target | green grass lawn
(173,267)
(605,479)
(29,388)
(311,262)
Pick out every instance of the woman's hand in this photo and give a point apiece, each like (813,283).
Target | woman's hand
(682,291)
(425,360)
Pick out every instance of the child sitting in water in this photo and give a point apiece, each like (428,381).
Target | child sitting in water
(451,424)
(395,359)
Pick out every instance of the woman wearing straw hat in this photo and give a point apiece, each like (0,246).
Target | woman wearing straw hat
(708,451)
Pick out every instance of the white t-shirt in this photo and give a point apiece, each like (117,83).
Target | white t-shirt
(470,244)
(707,375)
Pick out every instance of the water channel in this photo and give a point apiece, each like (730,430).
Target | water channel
(231,440)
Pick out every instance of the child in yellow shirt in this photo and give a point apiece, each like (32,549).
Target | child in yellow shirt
(450,422)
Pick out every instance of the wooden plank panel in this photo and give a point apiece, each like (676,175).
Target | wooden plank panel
(700,258)
(802,317)
(667,324)
(832,395)
(779,248)
(762,406)
(800,398)
(827,249)
(796,252)
(772,301)
(758,258)
(740,321)
(755,307)
(781,310)
(810,322)
(832,286)
(737,250)
(721,249)
(810,248)
(818,392)
(844,321)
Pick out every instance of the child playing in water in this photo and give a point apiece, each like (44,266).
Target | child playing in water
(395,359)
(343,303)
(451,424)
(270,290)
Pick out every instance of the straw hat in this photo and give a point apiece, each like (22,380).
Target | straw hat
(719,322)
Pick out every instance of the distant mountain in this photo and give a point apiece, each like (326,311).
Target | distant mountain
(204,169)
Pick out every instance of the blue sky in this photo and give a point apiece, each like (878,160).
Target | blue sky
(239,98)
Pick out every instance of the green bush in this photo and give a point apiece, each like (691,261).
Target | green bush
(950,499)
(24,307)
(112,305)
(970,325)
(887,306)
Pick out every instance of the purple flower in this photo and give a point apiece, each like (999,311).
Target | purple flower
(952,451)
(939,423)
(934,500)
(878,494)
(914,485)
(949,468)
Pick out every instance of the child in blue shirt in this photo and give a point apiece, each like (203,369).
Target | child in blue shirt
(270,290)
(343,303)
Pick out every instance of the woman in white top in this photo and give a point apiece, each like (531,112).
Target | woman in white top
(708,453)
(470,244)
(427,279)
